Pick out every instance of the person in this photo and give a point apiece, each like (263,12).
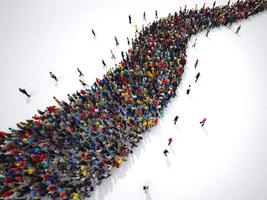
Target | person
(145,188)
(188,90)
(130,19)
(156,14)
(80,72)
(203,122)
(196,63)
(207,33)
(197,76)
(23,91)
(53,76)
(116,40)
(122,55)
(128,41)
(144,16)
(165,152)
(194,45)
(214,3)
(83,83)
(112,55)
(104,64)
(56,100)
(169,141)
(175,119)
(136,28)
(238,29)
(93,32)
(228,3)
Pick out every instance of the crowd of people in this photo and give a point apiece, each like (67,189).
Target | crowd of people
(66,150)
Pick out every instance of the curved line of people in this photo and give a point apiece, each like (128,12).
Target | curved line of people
(66,150)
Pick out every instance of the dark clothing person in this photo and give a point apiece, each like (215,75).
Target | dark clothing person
(23,91)
(103,62)
(128,41)
(194,45)
(53,76)
(165,152)
(207,33)
(175,119)
(188,90)
(83,83)
(145,188)
(214,3)
(197,76)
(130,19)
(238,29)
(93,32)
(144,16)
(80,72)
(156,14)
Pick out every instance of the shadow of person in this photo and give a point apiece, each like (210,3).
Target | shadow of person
(148,195)
(205,131)
(168,162)
(56,83)
(28,100)
(172,150)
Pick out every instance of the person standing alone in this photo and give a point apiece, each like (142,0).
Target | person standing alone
(53,76)
(23,91)
(175,119)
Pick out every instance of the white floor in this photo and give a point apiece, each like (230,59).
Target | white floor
(226,160)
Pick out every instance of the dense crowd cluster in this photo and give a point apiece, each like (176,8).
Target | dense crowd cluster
(66,150)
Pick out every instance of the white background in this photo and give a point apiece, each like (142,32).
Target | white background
(226,160)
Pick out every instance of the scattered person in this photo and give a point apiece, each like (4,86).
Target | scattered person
(112,55)
(165,152)
(145,188)
(188,90)
(23,91)
(104,64)
(80,72)
(53,76)
(197,76)
(194,45)
(156,14)
(207,33)
(176,119)
(136,29)
(130,19)
(116,40)
(238,29)
(169,141)
(214,3)
(83,83)
(144,16)
(203,122)
(93,32)
(196,63)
